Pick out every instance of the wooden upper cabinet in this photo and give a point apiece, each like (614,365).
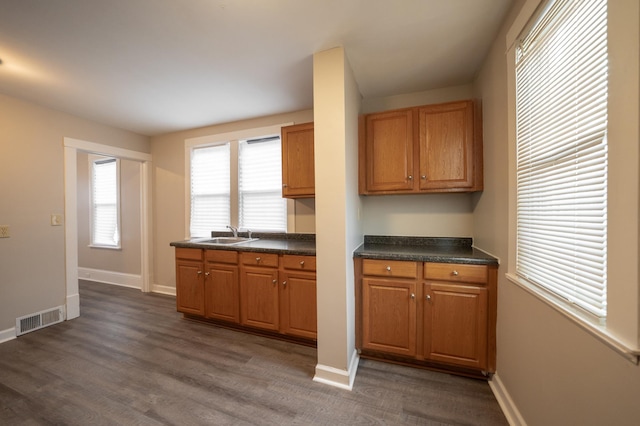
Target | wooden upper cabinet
(432,148)
(389,151)
(298,170)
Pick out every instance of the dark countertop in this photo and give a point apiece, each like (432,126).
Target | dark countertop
(423,249)
(280,243)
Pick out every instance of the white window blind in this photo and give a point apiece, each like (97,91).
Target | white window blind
(210,189)
(561,113)
(261,206)
(105,229)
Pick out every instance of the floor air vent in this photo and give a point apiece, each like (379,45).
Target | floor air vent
(39,320)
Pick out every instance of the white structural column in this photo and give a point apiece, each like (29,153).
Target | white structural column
(336,106)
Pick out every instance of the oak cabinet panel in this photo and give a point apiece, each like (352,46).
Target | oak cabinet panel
(389,151)
(455,324)
(221,292)
(432,148)
(389,316)
(298,167)
(189,281)
(298,307)
(259,298)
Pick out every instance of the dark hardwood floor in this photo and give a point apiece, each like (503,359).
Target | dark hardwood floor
(130,359)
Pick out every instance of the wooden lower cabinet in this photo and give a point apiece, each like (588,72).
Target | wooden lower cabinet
(189,281)
(298,307)
(264,291)
(433,314)
(221,286)
(389,316)
(455,324)
(259,298)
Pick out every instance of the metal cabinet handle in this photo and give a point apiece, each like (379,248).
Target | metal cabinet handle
(413,296)
(206,274)
(199,273)
(410,177)
(428,297)
(275,281)
(454,273)
(284,185)
(257,259)
(284,283)
(302,263)
(388,268)
(423,177)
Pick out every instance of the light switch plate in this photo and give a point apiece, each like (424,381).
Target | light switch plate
(4,231)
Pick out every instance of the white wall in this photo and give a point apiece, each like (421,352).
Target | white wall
(32,260)
(553,371)
(428,215)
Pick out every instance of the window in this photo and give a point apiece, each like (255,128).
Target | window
(561,77)
(105,201)
(237,181)
(261,205)
(210,189)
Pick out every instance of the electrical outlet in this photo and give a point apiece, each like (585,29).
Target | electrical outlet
(4,231)
(56,220)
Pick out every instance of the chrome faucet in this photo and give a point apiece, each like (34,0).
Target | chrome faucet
(234,230)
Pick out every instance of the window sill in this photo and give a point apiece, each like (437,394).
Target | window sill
(580,318)
(105,247)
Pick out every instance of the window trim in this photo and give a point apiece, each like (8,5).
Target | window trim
(219,138)
(94,158)
(619,332)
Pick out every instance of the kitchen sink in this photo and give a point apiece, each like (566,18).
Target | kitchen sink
(225,240)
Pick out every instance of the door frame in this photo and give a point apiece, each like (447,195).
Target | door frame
(71,148)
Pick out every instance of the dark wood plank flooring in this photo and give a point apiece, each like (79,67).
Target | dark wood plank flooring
(130,359)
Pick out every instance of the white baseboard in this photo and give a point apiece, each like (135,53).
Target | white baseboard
(509,408)
(163,289)
(109,277)
(8,334)
(73,306)
(336,377)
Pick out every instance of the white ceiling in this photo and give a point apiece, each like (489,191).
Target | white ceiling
(156,66)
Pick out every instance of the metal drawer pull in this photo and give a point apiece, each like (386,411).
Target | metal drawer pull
(206,274)
(388,268)
(257,259)
(413,296)
(423,177)
(302,263)
(274,281)
(199,272)
(454,273)
(284,283)
(428,297)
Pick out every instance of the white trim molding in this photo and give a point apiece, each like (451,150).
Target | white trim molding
(336,377)
(163,289)
(507,405)
(110,277)
(8,334)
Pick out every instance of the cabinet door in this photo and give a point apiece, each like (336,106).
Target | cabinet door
(455,324)
(446,146)
(298,169)
(389,151)
(189,287)
(298,311)
(259,298)
(389,316)
(222,294)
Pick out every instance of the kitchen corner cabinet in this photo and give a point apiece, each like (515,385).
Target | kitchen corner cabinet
(298,306)
(431,314)
(189,281)
(432,148)
(298,169)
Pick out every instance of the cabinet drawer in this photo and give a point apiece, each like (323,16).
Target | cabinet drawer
(389,268)
(455,272)
(299,263)
(221,256)
(188,253)
(259,259)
